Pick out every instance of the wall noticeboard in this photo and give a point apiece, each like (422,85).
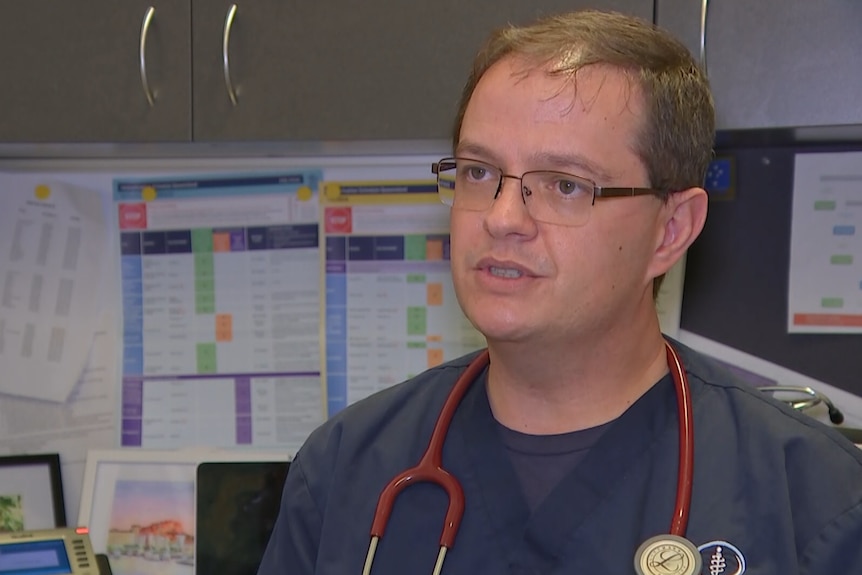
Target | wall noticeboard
(736,284)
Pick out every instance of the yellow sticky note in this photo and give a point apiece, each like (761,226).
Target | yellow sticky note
(42,192)
(304,193)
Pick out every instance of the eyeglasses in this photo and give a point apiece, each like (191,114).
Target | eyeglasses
(551,197)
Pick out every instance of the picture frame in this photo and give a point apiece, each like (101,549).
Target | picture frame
(31,493)
(139,505)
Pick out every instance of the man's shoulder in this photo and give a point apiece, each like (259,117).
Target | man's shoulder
(730,408)
(758,454)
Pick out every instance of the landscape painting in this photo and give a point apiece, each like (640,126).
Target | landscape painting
(11,513)
(151,529)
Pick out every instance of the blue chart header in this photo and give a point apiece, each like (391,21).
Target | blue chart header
(197,187)
(283,237)
(376,189)
(241,239)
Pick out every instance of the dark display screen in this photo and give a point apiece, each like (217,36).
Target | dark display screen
(237,504)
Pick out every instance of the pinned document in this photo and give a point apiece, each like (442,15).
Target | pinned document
(825,288)
(53,249)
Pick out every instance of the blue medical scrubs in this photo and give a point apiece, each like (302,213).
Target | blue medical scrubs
(774,491)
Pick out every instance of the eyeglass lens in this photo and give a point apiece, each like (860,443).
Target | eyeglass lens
(551,197)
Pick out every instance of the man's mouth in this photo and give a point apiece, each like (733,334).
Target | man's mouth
(509,273)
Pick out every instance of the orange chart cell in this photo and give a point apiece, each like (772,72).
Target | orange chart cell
(434,249)
(221,242)
(224,327)
(431,338)
(435,357)
(435,294)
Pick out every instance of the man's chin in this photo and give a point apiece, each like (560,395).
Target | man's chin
(504,333)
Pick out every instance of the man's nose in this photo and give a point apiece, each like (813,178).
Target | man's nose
(509,213)
(520,187)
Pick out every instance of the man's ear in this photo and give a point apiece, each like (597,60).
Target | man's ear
(684,216)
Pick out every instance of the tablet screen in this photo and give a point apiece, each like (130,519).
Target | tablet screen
(237,505)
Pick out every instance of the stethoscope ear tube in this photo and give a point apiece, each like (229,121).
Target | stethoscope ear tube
(430,470)
(430,466)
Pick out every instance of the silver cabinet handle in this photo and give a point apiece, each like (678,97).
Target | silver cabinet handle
(704,9)
(142,51)
(225,53)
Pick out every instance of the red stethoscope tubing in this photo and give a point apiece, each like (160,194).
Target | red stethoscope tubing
(685,472)
(430,466)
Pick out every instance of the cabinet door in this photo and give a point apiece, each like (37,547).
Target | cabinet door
(776,63)
(345,69)
(72,71)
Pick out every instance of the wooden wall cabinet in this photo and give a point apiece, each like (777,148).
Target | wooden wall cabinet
(345,69)
(246,70)
(72,71)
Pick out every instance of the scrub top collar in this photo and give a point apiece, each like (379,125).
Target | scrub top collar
(538,541)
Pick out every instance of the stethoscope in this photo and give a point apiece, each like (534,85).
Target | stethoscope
(651,555)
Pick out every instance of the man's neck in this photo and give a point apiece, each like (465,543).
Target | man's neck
(540,389)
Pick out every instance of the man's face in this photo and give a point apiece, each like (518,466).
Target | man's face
(519,279)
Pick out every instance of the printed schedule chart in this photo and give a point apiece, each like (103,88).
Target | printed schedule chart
(825,293)
(220,291)
(390,307)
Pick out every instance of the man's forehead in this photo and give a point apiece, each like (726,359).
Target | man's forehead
(558,91)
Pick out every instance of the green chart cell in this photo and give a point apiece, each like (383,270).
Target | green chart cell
(417,320)
(841,260)
(202,240)
(205,303)
(414,248)
(204,265)
(204,283)
(832,302)
(824,205)
(416,345)
(416,278)
(206,356)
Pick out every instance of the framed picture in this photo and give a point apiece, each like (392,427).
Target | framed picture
(31,493)
(139,506)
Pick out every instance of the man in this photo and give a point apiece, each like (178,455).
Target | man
(579,152)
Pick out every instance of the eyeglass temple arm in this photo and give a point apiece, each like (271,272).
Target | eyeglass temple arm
(626,192)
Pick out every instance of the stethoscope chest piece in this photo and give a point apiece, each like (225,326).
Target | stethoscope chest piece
(667,555)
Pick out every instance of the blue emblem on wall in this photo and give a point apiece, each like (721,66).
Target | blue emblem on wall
(720,179)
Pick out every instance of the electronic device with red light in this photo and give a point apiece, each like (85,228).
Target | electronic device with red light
(61,551)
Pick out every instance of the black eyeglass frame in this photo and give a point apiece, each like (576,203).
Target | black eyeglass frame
(598,191)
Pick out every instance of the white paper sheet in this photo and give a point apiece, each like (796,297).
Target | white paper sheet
(825,287)
(669,300)
(53,247)
(87,420)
